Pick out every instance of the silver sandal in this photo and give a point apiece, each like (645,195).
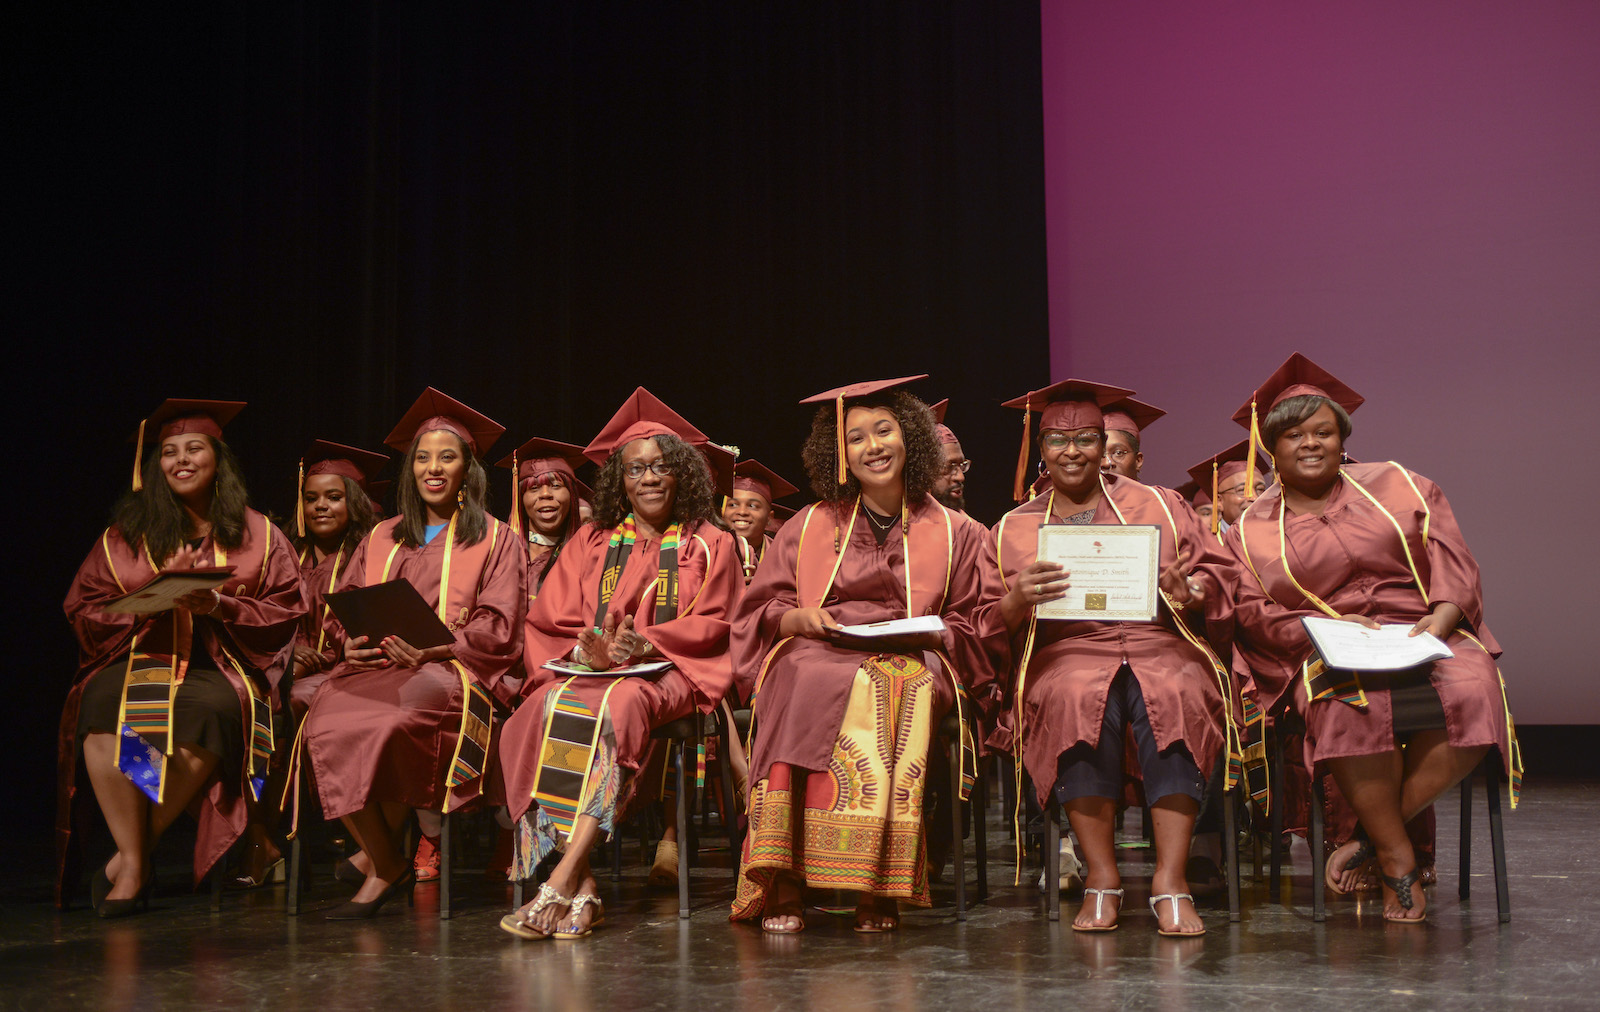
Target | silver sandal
(1099,896)
(578,903)
(518,922)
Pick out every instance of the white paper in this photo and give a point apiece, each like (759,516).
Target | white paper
(644,668)
(896,627)
(1354,647)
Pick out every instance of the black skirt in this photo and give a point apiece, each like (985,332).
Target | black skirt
(206,714)
(1416,707)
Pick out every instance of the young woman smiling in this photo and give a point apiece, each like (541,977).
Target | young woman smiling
(651,579)
(841,735)
(198,677)
(396,727)
(1372,544)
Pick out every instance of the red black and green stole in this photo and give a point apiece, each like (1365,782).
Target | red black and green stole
(618,549)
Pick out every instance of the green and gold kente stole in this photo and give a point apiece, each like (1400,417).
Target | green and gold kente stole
(617,550)
(1252,763)
(561,784)
(456,599)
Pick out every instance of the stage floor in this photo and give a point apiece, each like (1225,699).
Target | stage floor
(1006,955)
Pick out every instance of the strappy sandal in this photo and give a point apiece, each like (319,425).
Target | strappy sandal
(517,922)
(1174,898)
(1402,894)
(578,903)
(1363,853)
(1099,897)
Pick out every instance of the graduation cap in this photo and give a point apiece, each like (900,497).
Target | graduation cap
(1069,404)
(641,416)
(1193,494)
(939,428)
(720,460)
(753,476)
(778,516)
(1129,415)
(531,462)
(838,395)
(1296,376)
(177,416)
(326,457)
(435,410)
(1220,467)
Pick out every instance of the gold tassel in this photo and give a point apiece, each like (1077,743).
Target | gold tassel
(1216,509)
(1019,490)
(300,501)
(1255,442)
(838,425)
(905,515)
(516,496)
(138,459)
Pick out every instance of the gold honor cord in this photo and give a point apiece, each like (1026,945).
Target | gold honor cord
(333,581)
(766,662)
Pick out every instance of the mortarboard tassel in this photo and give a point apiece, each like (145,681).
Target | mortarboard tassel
(838,425)
(138,459)
(516,495)
(1019,488)
(1216,511)
(1255,444)
(300,500)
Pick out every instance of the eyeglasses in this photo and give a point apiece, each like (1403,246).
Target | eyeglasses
(1059,440)
(659,468)
(1120,453)
(957,466)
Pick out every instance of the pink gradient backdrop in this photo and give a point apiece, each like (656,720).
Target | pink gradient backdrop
(1408,192)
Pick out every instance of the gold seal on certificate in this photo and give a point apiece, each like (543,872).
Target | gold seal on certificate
(1113,571)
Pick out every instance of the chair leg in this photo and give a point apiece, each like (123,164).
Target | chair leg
(1230,854)
(958,850)
(217,871)
(1052,860)
(1319,859)
(291,904)
(516,894)
(616,852)
(1275,824)
(1497,840)
(444,866)
(980,833)
(683,830)
(1464,883)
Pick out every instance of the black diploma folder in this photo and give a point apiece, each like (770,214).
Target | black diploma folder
(389,609)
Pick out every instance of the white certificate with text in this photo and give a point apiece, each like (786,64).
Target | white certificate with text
(1113,572)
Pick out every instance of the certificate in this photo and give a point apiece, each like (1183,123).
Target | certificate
(1387,648)
(1113,571)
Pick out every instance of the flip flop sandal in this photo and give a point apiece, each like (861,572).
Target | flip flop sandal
(517,922)
(1099,897)
(1174,898)
(578,903)
(1363,853)
(1402,895)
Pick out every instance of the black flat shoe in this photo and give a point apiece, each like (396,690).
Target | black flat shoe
(353,911)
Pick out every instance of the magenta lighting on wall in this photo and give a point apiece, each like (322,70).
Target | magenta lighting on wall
(1408,192)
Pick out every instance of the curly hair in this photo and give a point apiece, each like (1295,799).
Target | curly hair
(360,514)
(693,499)
(155,517)
(1291,411)
(924,459)
(472,526)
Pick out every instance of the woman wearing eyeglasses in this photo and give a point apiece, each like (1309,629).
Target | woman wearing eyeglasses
(1080,684)
(653,578)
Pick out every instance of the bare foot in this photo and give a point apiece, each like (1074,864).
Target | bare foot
(785,905)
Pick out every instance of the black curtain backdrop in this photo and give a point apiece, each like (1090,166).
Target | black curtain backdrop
(323,208)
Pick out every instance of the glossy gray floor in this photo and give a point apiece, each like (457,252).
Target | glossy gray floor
(252,956)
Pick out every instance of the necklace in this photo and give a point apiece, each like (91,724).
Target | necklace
(872,518)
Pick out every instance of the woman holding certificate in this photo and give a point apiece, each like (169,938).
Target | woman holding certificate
(842,728)
(1080,680)
(397,726)
(172,707)
(647,588)
(1377,545)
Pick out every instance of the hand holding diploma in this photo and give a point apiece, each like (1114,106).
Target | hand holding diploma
(807,622)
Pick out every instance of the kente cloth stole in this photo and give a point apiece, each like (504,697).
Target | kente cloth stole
(461,572)
(1252,763)
(665,586)
(1323,683)
(928,541)
(563,780)
(151,680)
